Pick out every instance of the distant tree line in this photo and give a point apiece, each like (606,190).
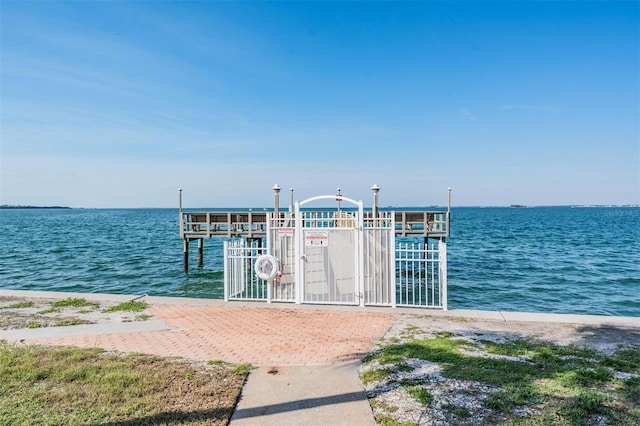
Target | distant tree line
(7,206)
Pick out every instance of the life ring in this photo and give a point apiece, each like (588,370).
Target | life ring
(266,267)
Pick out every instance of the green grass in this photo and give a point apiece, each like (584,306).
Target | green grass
(34,324)
(566,384)
(419,393)
(19,305)
(458,411)
(73,302)
(69,321)
(143,317)
(70,302)
(71,386)
(631,389)
(242,369)
(371,376)
(132,306)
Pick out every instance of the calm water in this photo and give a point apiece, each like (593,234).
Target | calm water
(543,259)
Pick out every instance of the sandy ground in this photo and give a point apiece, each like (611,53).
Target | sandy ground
(605,339)
(16,314)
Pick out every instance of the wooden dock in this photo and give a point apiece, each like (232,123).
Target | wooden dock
(252,224)
(256,225)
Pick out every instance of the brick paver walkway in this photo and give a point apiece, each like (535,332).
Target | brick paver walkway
(260,336)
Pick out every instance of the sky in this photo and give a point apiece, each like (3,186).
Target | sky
(121,103)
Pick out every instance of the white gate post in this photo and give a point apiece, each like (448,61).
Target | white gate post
(392,261)
(268,251)
(225,251)
(442,264)
(360,254)
(298,264)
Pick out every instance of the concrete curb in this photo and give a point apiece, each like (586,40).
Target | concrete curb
(83,330)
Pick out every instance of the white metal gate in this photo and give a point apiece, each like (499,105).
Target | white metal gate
(282,247)
(329,254)
(378,259)
(339,257)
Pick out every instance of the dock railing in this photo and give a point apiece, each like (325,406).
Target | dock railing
(252,224)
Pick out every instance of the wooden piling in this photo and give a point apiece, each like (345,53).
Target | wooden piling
(200,252)
(185,252)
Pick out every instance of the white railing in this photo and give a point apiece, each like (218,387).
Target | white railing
(240,282)
(420,280)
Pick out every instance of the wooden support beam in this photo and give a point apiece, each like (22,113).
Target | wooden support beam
(200,252)
(185,254)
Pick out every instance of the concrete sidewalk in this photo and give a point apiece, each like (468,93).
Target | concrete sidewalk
(306,356)
(322,395)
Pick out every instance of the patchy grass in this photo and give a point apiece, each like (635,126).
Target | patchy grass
(70,302)
(550,384)
(143,317)
(419,393)
(19,305)
(34,324)
(65,322)
(371,376)
(65,385)
(74,302)
(132,306)
(242,369)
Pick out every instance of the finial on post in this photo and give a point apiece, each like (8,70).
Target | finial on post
(180,212)
(291,201)
(276,200)
(375,188)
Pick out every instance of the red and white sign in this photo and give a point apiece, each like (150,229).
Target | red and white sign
(285,232)
(316,239)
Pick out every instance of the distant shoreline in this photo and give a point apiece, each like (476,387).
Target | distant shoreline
(4,206)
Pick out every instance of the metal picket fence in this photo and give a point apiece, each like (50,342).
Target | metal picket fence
(420,280)
(240,282)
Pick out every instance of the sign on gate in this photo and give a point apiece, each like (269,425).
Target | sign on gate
(285,232)
(316,239)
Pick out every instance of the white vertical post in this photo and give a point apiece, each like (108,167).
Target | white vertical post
(375,188)
(267,237)
(448,213)
(360,254)
(392,260)
(442,264)
(225,251)
(299,261)
(276,200)
(291,201)
(180,212)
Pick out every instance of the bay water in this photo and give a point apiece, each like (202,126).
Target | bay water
(575,260)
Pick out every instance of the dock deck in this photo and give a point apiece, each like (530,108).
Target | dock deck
(253,224)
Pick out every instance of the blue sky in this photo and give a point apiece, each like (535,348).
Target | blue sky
(119,104)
